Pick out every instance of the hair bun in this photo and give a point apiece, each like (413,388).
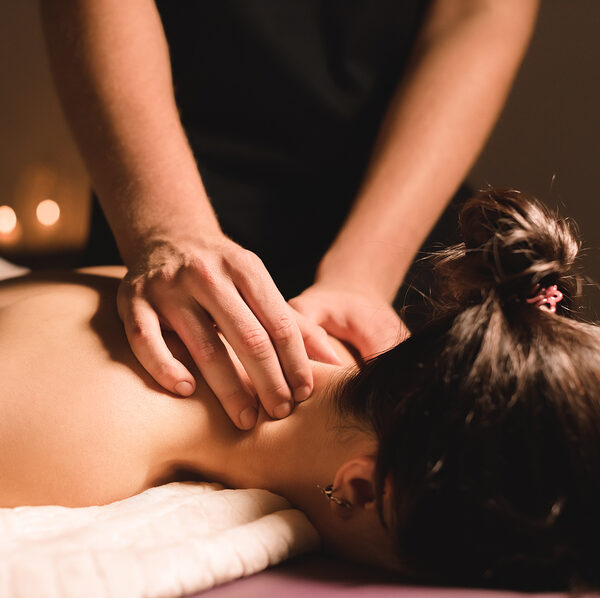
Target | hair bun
(512,243)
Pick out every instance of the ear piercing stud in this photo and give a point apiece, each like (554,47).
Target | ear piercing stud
(328,492)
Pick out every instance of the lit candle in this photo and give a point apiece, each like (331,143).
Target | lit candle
(8,220)
(48,212)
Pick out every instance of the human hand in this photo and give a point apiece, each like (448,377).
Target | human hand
(369,324)
(200,288)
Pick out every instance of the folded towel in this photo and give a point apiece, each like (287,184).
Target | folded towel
(169,541)
(10,270)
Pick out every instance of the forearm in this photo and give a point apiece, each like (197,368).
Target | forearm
(441,114)
(111,65)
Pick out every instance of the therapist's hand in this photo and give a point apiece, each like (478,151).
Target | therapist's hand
(198,288)
(368,323)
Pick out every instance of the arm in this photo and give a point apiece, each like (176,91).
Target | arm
(111,65)
(464,61)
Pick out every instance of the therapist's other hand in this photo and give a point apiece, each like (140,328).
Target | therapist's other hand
(369,324)
(198,289)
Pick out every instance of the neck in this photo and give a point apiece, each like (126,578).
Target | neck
(288,457)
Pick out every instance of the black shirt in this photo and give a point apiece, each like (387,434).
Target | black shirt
(281,101)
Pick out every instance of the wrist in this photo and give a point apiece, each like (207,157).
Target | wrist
(154,198)
(143,219)
(170,239)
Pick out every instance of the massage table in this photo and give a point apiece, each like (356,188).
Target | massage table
(320,576)
(176,539)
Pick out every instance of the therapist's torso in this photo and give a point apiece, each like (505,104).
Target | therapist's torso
(281,101)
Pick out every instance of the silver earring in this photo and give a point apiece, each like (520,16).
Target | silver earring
(328,492)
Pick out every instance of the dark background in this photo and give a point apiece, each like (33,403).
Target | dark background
(546,142)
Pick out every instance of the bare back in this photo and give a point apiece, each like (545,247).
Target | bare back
(81,422)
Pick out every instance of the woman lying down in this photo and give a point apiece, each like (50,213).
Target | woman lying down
(468,454)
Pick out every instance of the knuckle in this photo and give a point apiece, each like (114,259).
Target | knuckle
(232,397)
(199,266)
(245,262)
(276,391)
(252,260)
(164,371)
(201,269)
(206,351)
(137,331)
(284,330)
(257,343)
(157,277)
(301,377)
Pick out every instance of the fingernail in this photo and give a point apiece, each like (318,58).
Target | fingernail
(248,418)
(302,393)
(184,388)
(282,410)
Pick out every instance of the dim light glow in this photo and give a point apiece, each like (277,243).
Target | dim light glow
(48,212)
(8,220)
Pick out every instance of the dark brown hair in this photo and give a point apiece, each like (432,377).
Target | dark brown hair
(488,418)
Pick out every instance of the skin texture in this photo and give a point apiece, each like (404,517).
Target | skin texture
(82,423)
(110,57)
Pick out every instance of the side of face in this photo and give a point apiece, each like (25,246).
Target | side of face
(349,521)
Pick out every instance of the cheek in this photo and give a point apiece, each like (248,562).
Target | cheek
(361,539)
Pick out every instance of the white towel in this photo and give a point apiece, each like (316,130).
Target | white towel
(168,541)
(10,270)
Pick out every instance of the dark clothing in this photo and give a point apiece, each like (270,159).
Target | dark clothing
(281,101)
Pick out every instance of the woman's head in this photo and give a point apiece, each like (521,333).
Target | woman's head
(488,419)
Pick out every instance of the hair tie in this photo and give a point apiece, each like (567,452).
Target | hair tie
(547,298)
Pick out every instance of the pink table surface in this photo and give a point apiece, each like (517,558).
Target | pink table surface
(317,576)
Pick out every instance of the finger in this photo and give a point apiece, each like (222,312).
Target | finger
(316,340)
(387,331)
(196,330)
(145,338)
(370,336)
(254,347)
(278,319)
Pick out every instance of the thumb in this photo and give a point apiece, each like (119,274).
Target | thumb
(369,336)
(316,342)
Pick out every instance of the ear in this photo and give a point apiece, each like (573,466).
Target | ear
(354,483)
